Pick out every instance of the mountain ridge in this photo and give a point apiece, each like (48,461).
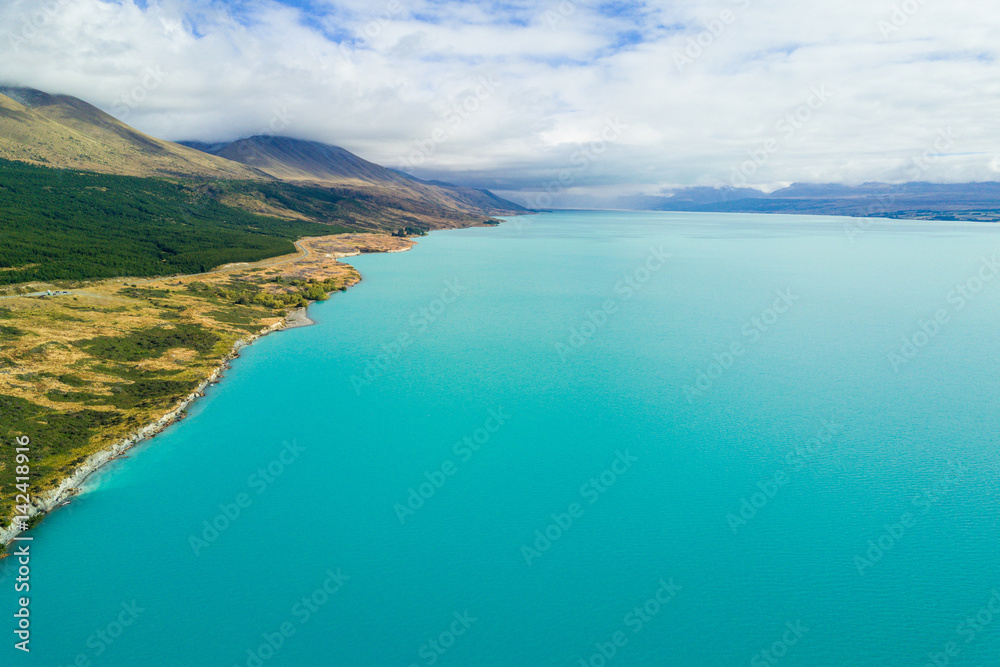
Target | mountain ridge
(276,176)
(305,161)
(978,201)
(66,132)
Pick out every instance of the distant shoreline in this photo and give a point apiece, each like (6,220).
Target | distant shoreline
(70,486)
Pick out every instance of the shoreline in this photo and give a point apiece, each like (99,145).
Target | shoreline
(298,318)
(69,486)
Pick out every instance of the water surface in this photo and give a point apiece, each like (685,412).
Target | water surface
(724,429)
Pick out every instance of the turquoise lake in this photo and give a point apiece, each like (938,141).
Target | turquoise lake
(599,438)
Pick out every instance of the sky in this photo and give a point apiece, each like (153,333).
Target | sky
(552,99)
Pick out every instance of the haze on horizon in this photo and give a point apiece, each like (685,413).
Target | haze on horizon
(574,96)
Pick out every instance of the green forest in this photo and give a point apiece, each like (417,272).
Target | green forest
(69,225)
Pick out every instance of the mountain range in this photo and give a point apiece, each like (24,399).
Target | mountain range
(305,180)
(64,132)
(314,163)
(918,200)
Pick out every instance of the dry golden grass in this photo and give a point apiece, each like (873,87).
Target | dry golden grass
(65,132)
(47,366)
(55,324)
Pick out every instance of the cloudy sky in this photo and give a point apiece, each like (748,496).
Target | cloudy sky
(573,96)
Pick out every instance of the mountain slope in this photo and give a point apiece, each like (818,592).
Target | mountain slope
(65,132)
(331,166)
(286,178)
(80,225)
(295,160)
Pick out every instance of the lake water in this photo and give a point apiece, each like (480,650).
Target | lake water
(575,439)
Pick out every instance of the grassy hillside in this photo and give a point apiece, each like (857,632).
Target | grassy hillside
(279,177)
(84,369)
(62,131)
(59,224)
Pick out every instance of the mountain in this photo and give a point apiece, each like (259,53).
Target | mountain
(314,163)
(688,198)
(943,201)
(65,132)
(476,197)
(286,178)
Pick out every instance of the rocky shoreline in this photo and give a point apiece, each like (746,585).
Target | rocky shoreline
(70,486)
(298,318)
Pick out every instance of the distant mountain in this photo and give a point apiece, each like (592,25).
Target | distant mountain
(476,197)
(311,162)
(964,201)
(65,132)
(688,198)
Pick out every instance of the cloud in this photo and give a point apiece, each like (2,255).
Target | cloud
(515,95)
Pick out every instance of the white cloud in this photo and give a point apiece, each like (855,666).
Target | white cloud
(701,85)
